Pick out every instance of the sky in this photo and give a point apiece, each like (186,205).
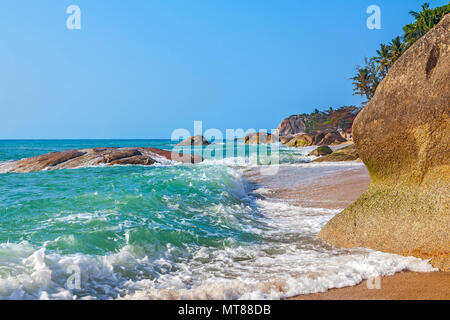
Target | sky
(141,69)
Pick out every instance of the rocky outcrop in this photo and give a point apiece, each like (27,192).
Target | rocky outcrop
(70,159)
(331,119)
(320,138)
(291,126)
(134,160)
(197,140)
(321,151)
(258,138)
(119,154)
(285,140)
(299,140)
(328,137)
(403,137)
(344,154)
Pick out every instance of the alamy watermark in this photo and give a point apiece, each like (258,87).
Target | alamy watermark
(374,20)
(374,283)
(262,152)
(74,280)
(73,22)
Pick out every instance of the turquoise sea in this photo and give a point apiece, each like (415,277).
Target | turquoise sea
(167,231)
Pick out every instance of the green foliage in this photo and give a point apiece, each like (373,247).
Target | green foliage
(425,21)
(341,118)
(397,47)
(383,59)
(367,78)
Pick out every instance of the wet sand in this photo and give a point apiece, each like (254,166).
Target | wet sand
(401,286)
(337,190)
(329,189)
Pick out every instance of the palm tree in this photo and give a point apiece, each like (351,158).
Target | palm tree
(421,26)
(418,15)
(383,59)
(397,47)
(361,82)
(425,21)
(366,80)
(412,33)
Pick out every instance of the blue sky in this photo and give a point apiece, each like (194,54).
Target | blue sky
(140,69)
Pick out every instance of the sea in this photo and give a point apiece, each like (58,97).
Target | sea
(172,230)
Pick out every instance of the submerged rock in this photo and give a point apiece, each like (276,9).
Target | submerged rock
(345,154)
(403,137)
(321,151)
(197,140)
(70,159)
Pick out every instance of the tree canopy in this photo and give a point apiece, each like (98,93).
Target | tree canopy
(367,78)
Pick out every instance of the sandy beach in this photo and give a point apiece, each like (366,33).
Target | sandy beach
(336,191)
(401,286)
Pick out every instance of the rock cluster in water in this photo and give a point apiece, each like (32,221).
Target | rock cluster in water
(197,140)
(320,138)
(70,159)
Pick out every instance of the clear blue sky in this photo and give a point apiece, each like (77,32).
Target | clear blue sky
(139,69)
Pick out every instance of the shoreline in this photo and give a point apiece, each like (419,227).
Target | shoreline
(330,190)
(400,286)
(337,190)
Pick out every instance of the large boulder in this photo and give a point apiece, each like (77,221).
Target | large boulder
(292,125)
(197,140)
(348,153)
(285,140)
(328,137)
(300,140)
(403,137)
(321,151)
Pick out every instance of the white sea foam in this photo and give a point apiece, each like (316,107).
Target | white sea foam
(279,283)
(231,162)
(261,276)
